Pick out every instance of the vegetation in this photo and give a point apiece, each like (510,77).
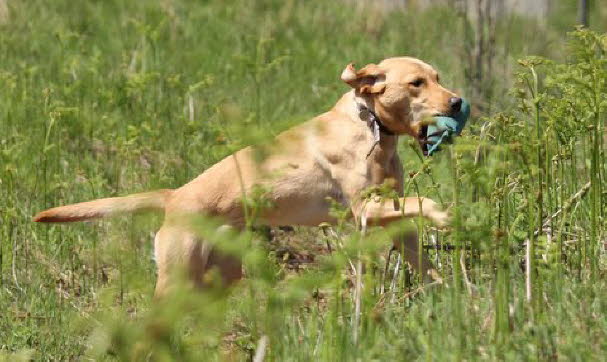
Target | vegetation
(101,98)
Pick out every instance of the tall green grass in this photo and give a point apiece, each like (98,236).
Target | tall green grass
(101,98)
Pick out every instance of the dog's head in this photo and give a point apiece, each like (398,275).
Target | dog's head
(403,92)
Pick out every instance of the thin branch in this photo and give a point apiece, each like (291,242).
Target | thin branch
(260,352)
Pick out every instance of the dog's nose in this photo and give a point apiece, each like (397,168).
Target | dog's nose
(455,103)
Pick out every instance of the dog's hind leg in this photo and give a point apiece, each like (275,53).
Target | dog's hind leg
(176,252)
(182,255)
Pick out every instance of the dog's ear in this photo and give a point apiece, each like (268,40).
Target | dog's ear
(368,80)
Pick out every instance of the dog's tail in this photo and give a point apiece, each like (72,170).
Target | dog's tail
(147,201)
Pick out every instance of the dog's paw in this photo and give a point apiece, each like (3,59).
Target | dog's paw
(434,213)
(440,218)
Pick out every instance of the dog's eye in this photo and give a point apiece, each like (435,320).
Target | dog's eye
(417,83)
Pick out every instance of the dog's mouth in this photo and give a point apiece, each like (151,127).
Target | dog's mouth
(423,141)
(439,127)
(423,138)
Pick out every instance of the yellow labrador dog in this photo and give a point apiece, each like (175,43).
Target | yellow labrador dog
(335,155)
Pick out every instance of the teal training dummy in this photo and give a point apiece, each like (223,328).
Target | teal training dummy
(444,128)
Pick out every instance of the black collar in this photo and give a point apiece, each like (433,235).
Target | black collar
(373,121)
(374,124)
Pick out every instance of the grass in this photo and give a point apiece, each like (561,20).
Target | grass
(113,97)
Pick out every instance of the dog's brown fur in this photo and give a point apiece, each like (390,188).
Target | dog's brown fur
(331,156)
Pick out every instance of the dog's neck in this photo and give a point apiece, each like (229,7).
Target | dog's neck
(373,121)
(361,112)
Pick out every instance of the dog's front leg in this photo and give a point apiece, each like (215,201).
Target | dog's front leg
(383,213)
(408,245)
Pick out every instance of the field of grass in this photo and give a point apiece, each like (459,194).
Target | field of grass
(104,98)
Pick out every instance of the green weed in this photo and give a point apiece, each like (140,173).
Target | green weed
(113,97)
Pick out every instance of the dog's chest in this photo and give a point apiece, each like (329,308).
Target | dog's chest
(358,171)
